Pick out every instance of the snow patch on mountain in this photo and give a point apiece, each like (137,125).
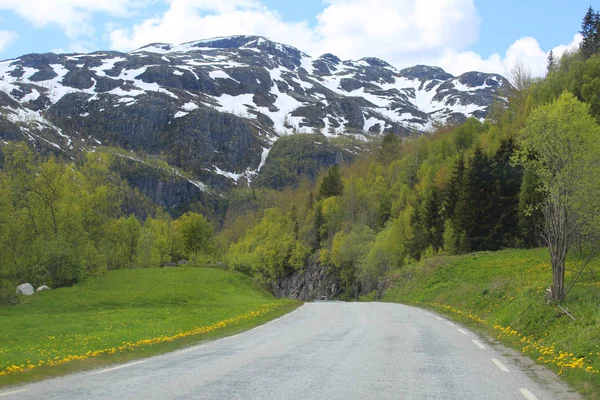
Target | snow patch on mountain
(273,88)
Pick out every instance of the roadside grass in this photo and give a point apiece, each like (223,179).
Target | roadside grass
(503,294)
(127,314)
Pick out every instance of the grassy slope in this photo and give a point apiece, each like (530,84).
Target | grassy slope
(502,294)
(127,306)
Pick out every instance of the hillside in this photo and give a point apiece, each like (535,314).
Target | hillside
(499,293)
(127,314)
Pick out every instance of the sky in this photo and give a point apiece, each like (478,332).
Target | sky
(457,35)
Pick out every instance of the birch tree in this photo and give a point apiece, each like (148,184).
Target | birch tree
(560,146)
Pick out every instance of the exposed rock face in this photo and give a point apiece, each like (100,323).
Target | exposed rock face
(215,106)
(25,289)
(313,283)
(166,188)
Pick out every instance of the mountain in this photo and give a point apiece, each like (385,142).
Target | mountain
(215,107)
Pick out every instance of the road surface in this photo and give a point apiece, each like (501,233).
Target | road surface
(323,350)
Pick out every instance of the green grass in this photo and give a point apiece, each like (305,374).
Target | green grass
(503,294)
(127,306)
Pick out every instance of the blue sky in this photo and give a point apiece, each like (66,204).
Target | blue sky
(458,35)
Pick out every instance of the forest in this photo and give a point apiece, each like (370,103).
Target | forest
(527,176)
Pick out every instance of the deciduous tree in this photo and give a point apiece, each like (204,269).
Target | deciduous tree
(560,145)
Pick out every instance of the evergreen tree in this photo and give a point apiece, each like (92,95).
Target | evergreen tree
(294,218)
(311,201)
(453,188)
(590,30)
(551,62)
(390,148)
(418,242)
(433,221)
(318,225)
(473,210)
(504,210)
(384,211)
(332,185)
(450,200)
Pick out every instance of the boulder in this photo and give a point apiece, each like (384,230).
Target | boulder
(170,264)
(182,262)
(25,289)
(43,287)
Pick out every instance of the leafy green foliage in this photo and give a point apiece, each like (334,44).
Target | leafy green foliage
(269,249)
(299,156)
(195,233)
(560,146)
(332,184)
(347,253)
(62,222)
(390,149)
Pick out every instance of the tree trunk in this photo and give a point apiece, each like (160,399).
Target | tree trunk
(558,239)
(558,278)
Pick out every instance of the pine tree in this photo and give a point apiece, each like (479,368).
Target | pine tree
(591,34)
(391,146)
(433,221)
(318,225)
(294,218)
(475,202)
(311,201)
(418,243)
(551,62)
(332,185)
(453,188)
(504,213)
(384,211)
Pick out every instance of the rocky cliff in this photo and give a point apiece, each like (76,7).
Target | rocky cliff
(215,107)
(312,283)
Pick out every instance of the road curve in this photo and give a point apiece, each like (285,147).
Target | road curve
(323,350)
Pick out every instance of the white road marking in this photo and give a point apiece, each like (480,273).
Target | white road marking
(428,313)
(419,311)
(450,323)
(119,367)
(499,365)
(527,394)
(441,319)
(13,392)
(463,331)
(479,344)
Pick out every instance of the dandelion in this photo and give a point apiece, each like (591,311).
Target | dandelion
(130,346)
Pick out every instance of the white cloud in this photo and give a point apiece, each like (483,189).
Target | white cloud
(402,32)
(525,50)
(7,38)
(187,20)
(73,16)
(398,30)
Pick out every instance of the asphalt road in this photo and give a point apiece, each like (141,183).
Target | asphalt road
(323,350)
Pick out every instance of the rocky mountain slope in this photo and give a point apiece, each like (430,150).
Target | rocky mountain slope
(215,107)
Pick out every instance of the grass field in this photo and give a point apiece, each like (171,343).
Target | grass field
(127,314)
(502,294)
